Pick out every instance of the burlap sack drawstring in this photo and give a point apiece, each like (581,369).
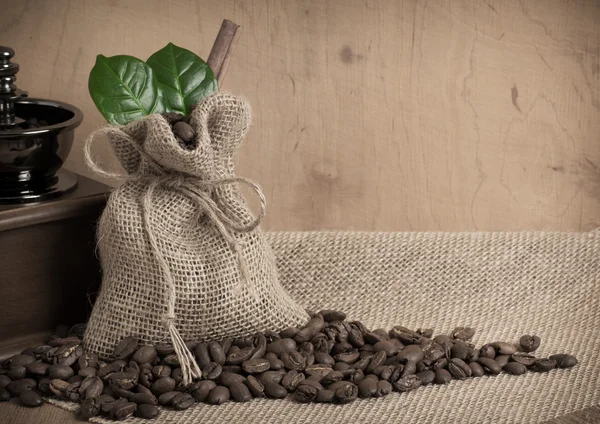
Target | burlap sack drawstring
(187,185)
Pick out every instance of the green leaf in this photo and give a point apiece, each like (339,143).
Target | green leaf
(124,89)
(184,78)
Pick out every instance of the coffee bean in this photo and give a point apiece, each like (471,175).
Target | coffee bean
(460,350)
(240,392)
(163,385)
(256,366)
(90,408)
(164,349)
(145,354)
(44,385)
(463,333)
(564,361)
(502,360)
(37,368)
(386,372)
(529,343)
(122,411)
(293,361)
(147,411)
(123,380)
(87,372)
(515,368)
(108,402)
(442,376)
(184,131)
(166,398)
(260,344)
(146,379)
(5,395)
(377,359)
(487,351)
(409,368)
(126,348)
(62,372)
(275,364)
(346,394)
(544,365)
(238,357)
(305,393)
(459,369)
(384,388)
(355,337)
(411,353)
(367,388)
(426,377)
(4,380)
(17,387)
(210,371)
(144,398)
(504,348)
(489,365)
(476,369)
(432,352)
(31,399)
(292,379)
(405,335)
(425,332)
(255,386)
(171,360)
(202,355)
(441,338)
(161,371)
(397,373)
(106,371)
(279,347)
(182,401)
(17,372)
(313,326)
(228,378)
(341,366)
(217,354)
(218,395)
(20,361)
(330,315)
(289,333)
(407,383)
(325,396)
(523,358)
(91,387)
(87,359)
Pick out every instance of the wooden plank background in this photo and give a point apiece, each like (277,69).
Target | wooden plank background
(371,114)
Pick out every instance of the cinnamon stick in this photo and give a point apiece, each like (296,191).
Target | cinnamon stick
(218,60)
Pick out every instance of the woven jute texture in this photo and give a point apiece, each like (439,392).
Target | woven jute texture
(503,284)
(181,253)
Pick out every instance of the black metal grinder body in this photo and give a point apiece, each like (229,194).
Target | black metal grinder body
(36,136)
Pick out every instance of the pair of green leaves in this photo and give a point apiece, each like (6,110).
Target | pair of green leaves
(125,88)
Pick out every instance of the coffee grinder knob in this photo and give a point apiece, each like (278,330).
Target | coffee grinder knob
(9,93)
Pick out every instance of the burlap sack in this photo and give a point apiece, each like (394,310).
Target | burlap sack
(181,254)
(503,284)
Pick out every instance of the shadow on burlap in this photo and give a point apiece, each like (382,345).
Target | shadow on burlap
(503,284)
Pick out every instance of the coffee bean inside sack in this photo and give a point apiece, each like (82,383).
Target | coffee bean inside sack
(184,133)
(329,360)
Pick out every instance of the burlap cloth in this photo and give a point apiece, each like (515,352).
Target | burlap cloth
(504,284)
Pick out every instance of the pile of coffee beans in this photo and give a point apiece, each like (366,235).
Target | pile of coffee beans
(184,133)
(329,360)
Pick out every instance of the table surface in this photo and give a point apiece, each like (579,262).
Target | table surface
(87,196)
